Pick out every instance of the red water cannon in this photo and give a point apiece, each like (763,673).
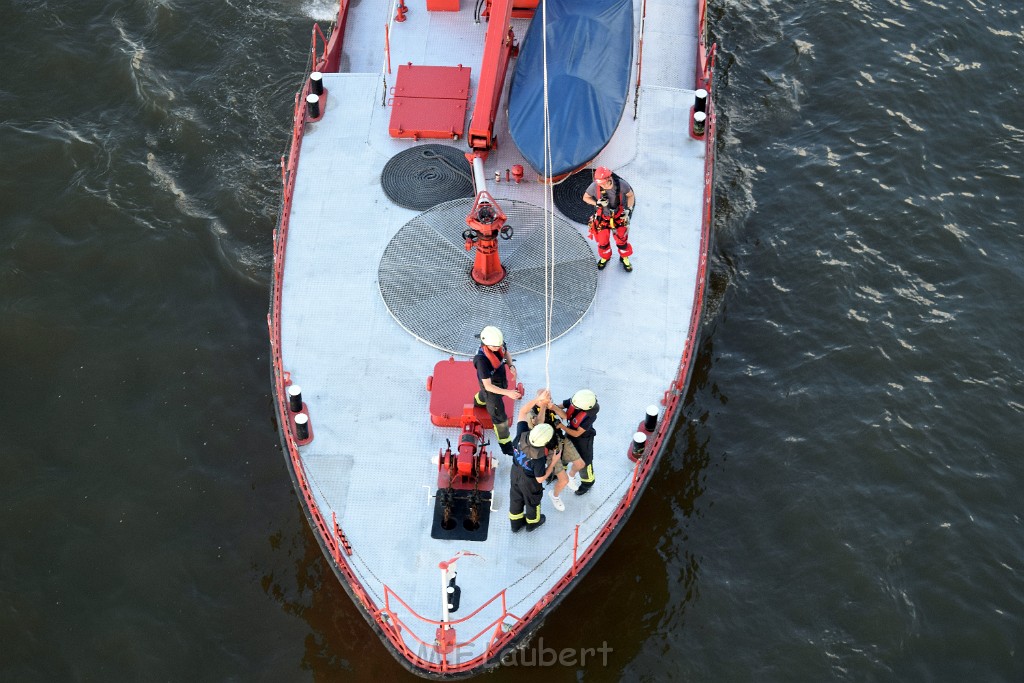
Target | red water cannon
(486,223)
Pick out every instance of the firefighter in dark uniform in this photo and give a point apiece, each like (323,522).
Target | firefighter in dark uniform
(612,198)
(531,467)
(579,413)
(490,361)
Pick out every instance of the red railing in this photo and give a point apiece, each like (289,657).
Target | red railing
(319,61)
(493,645)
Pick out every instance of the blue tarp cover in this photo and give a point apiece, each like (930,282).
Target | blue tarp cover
(590,57)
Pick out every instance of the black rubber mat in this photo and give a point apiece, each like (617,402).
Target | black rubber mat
(460,527)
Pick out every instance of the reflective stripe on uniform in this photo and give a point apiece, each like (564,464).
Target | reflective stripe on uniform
(535,519)
(501,431)
(515,517)
(587,475)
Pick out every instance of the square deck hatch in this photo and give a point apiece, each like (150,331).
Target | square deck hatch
(430,102)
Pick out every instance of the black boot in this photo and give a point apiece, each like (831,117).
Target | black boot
(584,487)
(533,526)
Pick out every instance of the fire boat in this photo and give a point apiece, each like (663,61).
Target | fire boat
(434,186)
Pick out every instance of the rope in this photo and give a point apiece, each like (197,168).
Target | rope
(549,212)
(422,177)
(639,59)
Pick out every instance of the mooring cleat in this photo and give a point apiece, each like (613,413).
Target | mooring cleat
(626,264)
(601,263)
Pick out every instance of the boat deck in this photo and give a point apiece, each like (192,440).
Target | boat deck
(364,377)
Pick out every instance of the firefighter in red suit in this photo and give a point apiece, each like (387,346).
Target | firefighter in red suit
(613,200)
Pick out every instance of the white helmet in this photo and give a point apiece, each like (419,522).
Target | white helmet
(491,336)
(584,399)
(541,434)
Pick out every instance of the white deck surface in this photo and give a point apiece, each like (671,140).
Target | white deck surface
(363,376)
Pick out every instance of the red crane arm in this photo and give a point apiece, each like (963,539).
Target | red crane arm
(498,48)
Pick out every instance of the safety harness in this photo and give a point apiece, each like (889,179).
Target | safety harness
(616,191)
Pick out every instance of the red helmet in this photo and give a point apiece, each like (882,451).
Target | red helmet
(602,173)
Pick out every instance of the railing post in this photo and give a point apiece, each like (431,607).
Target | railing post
(575,546)
(317,31)
(334,537)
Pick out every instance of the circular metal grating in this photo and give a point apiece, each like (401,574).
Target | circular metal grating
(426,175)
(424,278)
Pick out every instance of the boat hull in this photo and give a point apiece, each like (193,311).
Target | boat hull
(312,310)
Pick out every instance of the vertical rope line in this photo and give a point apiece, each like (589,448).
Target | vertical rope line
(639,59)
(549,218)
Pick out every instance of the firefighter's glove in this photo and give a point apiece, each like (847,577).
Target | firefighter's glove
(603,202)
(629,214)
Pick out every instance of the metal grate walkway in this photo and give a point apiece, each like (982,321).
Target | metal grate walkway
(424,278)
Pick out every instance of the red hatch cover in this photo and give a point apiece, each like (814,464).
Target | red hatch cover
(452,387)
(430,102)
(440,82)
(427,117)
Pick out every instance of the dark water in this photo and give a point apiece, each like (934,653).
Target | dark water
(842,504)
